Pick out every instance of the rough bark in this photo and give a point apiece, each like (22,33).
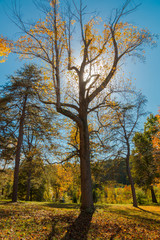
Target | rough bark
(154,199)
(86,183)
(82,123)
(18,152)
(85,168)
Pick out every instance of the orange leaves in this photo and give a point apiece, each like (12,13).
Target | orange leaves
(64,177)
(61,181)
(156,137)
(44,38)
(4,49)
(53,2)
(74,136)
(73,22)
(92,35)
(156,146)
(129,37)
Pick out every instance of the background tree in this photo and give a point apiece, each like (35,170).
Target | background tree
(32,179)
(39,136)
(144,164)
(6,179)
(23,104)
(126,114)
(156,142)
(101,54)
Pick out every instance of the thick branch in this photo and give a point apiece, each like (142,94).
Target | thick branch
(69,114)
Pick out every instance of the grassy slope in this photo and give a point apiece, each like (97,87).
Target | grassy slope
(51,221)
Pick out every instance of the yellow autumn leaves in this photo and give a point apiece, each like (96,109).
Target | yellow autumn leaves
(4,49)
(42,39)
(156,138)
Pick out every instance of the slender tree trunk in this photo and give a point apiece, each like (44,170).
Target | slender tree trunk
(154,199)
(29,179)
(130,177)
(56,194)
(86,182)
(18,152)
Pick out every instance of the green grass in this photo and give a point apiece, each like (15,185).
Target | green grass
(32,220)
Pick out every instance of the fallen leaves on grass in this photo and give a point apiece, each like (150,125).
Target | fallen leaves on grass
(27,221)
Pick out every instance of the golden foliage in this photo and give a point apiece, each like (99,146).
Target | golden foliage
(41,39)
(101,47)
(4,49)
(156,137)
(156,145)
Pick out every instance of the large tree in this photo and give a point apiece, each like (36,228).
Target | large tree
(79,79)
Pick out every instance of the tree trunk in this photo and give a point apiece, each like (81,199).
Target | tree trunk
(29,179)
(86,182)
(31,194)
(130,177)
(57,194)
(18,152)
(154,199)
(84,148)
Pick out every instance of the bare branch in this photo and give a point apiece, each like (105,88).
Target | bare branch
(123,12)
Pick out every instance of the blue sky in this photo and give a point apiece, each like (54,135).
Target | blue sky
(146,75)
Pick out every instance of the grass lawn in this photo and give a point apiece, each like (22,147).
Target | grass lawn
(32,220)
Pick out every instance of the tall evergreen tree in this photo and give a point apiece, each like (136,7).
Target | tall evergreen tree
(24,106)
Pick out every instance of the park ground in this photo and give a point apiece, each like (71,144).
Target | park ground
(32,220)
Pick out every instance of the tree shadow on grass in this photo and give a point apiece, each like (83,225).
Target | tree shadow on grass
(60,220)
(79,228)
(134,216)
(5,202)
(13,203)
(156,214)
(62,205)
